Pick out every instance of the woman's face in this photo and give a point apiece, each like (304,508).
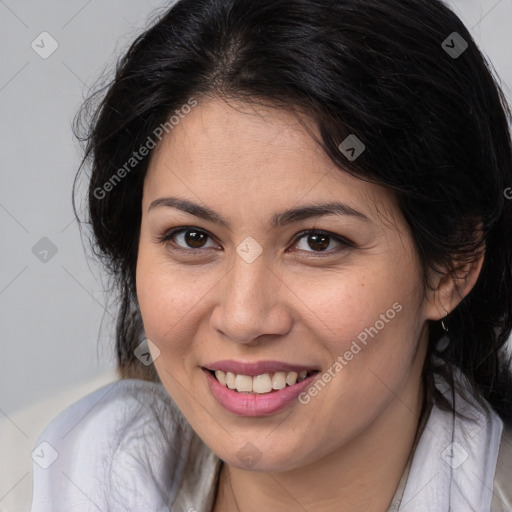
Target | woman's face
(263,285)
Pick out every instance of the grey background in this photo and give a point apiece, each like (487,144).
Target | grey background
(50,312)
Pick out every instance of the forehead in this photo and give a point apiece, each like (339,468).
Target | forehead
(259,153)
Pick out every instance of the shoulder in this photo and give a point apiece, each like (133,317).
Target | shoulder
(125,443)
(502,492)
(115,412)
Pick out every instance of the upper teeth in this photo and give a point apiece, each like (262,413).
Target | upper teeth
(260,383)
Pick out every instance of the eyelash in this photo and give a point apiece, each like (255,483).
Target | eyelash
(169,235)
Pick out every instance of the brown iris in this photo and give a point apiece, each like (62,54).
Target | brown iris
(195,239)
(318,241)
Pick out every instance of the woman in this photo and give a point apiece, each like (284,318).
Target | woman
(302,203)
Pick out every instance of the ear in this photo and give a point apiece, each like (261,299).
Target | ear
(448,289)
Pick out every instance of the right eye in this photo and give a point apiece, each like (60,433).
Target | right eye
(186,239)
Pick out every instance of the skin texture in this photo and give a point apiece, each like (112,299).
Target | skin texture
(346,449)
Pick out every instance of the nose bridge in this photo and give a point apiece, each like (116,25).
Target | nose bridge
(250,268)
(247,286)
(249,302)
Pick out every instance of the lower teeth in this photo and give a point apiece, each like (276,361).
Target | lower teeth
(254,393)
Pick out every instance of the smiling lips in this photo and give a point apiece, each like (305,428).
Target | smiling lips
(253,389)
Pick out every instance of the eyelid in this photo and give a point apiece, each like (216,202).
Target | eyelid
(344,243)
(168,235)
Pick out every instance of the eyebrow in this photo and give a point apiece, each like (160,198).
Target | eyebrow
(278,220)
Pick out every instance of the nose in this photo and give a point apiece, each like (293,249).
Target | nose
(251,303)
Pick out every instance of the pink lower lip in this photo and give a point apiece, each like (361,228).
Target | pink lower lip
(243,404)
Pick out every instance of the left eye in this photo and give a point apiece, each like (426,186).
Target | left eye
(189,239)
(320,241)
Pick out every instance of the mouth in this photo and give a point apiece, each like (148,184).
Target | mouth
(264,383)
(259,394)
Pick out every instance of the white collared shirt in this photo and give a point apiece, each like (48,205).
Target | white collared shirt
(127,448)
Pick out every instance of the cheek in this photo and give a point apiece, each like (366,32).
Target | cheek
(163,297)
(172,301)
(342,306)
(370,320)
